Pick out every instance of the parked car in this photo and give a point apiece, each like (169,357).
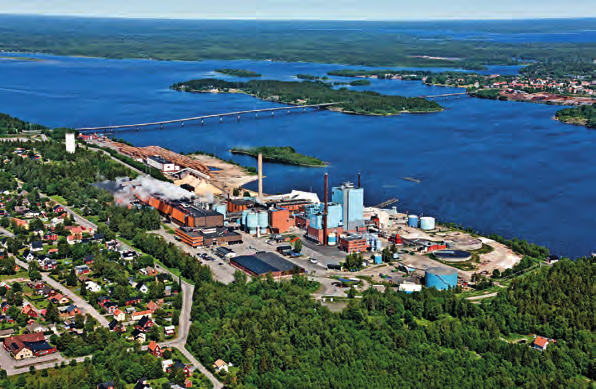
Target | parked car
(313,260)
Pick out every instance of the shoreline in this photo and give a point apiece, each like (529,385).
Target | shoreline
(265,159)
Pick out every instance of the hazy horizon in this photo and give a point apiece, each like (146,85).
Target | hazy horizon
(375,10)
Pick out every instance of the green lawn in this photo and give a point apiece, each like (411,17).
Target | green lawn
(59,199)
(19,274)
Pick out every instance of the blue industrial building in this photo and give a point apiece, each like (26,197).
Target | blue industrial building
(315,215)
(441,278)
(352,202)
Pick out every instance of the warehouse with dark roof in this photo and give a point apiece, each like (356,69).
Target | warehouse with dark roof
(263,262)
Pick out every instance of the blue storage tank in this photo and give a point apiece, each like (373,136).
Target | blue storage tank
(413,221)
(332,239)
(252,221)
(441,278)
(263,219)
(221,208)
(243,218)
(378,258)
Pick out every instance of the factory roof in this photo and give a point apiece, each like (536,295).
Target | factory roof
(241,201)
(200,212)
(264,262)
(351,238)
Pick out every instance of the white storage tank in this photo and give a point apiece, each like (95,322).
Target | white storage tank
(427,223)
(413,221)
(263,220)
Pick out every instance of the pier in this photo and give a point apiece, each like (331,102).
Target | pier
(219,116)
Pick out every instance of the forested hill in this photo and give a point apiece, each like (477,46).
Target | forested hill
(317,92)
(280,338)
(11,125)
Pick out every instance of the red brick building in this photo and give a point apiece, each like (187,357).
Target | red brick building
(353,244)
(280,220)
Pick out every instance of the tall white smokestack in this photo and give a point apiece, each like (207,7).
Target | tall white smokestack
(260,167)
(71,146)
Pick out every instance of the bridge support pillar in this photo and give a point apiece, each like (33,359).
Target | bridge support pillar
(256,115)
(202,121)
(181,124)
(272,113)
(238,117)
(137,128)
(161,126)
(221,119)
(288,111)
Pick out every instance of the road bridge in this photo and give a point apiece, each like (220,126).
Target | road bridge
(445,95)
(138,126)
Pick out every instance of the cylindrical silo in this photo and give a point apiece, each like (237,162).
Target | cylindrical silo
(252,222)
(427,223)
(441,278)
(243,218)
(413,221)
(332,239)
(263,220)
(221,208)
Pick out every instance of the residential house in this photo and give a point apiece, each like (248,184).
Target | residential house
(93,287)
(165,365)
(220,365)
(29,256)
(540,343)
(83,279)
(141,287)
(116,326)
(119,315)
(178,365)
(46,291)
(144,324)
(102,300)
(152,306)
(81,270)
(138,335)
(35,327)
(187,383)
(59,299)
(56,221)
(106,385)
(58,208)
(112,245)
(4,306)
(48,264)
(71,310)
(6,333)
(155,349)
(133,301)
(169,330)
(128,255)
(20,223)
(111,307)
(37,285)
(7,319)
(50,236)
(139,315)
(36,246)
(28,346)
(73,239)
(142,383)
(151,271)
(98,237)
(4,285)
(88,259)
(29,311)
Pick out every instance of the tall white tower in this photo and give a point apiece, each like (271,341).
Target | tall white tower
(70,143)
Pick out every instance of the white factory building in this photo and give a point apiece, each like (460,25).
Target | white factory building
(162,164)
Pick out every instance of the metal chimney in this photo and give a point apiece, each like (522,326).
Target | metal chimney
(325,215)
(359,186)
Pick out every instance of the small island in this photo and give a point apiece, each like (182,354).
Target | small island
(315,92)
(583,116)
(238,72)
(286,155)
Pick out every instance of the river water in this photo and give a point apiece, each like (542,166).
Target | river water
(500,167)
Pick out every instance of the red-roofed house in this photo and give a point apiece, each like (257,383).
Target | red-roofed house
(540,343)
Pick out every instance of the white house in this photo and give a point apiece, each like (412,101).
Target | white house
(93,287)
(220,365)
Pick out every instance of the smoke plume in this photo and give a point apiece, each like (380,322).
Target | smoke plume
(125,189)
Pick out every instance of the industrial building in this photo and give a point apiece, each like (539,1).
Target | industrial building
(352,202)
(353,244)
(280,220)
(219,236)
(440,278)
(263,263)
(162,164)
(184,213)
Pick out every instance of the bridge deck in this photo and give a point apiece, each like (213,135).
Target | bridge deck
(237,113)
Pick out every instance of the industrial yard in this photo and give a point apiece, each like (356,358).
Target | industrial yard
(338,236)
